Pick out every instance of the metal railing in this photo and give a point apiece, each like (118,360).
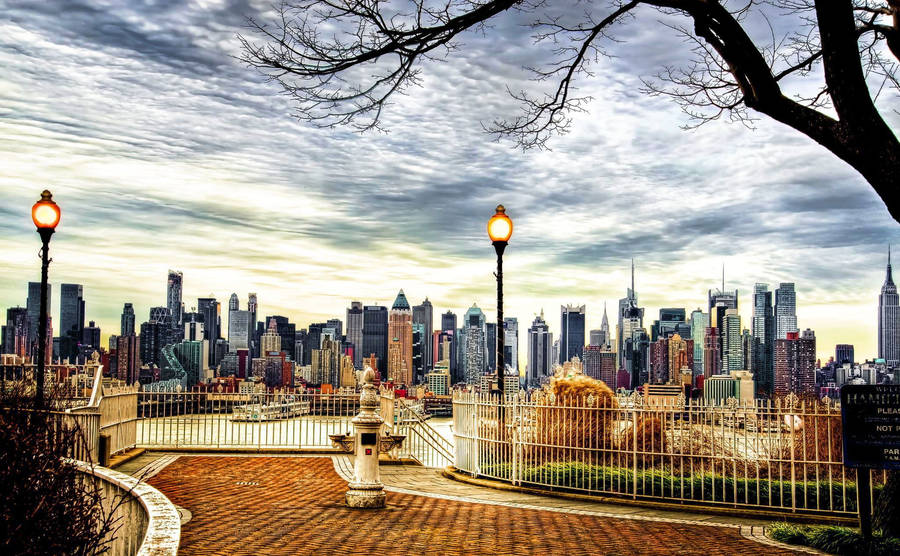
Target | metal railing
(783,455)
(423,443)
(237,420)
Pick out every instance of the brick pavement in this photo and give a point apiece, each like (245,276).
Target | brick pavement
(279,505)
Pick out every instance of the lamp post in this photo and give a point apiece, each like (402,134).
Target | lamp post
(45,214)
(500,229)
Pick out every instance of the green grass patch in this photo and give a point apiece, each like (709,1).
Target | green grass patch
(834,539)
(702,487)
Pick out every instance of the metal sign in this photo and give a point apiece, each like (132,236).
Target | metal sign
(870,415)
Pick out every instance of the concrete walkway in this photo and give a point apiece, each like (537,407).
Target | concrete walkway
(460,519)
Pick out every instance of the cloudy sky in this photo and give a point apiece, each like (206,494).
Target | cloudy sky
(165,152)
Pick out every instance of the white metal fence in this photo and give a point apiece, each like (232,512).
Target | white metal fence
(236,420)
(783,455)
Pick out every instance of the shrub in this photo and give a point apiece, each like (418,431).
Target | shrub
(46,505)
(702,487)
(835,540)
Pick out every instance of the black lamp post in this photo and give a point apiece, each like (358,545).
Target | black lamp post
(45,214)
(500,229)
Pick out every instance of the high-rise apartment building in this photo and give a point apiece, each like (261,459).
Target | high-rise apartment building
(539,361)
(889,320)
(424,314)
(173,297)
(795,364)
(375,335)
(418,351)
(400,331)
(571,340)
(785,310)
(762,352)
(355,331)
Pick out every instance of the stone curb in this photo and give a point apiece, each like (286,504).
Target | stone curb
(163,533)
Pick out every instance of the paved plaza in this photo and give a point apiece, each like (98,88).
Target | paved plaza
(294,505)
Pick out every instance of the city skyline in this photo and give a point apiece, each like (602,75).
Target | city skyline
(164,152)
(593,320)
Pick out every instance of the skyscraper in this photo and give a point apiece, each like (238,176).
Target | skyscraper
(843,353)
(212,324)
(712,360)
(511,344)
(234,303)
(699,324)
(71,319)
(733,350)
(889,319)
(287,331)
(128,360)
(375,335)
(474,343)
(628,334)
(33,306)
(400,330)
(540,343)
(571,340)
(795,364)
(448,327)
(490,347)
(90,336)
(238,330)
(338,326)
(424,314)
(762,353)
(355,331)
(173,297)
(785,310)
(270,341)
(127,325)
(15,332)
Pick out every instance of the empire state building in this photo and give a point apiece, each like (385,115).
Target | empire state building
(889,320)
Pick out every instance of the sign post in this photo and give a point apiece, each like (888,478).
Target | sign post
(870,422)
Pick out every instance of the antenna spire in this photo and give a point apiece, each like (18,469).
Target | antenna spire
(723,277)
(632,276)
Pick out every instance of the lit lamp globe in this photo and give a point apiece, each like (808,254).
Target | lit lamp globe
(500,227)
(45,213)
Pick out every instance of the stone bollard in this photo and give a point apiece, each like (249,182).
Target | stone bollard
(366,489)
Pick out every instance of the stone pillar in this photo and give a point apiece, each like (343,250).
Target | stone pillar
(366,489)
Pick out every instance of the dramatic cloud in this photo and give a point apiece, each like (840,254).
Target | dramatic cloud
(165,152)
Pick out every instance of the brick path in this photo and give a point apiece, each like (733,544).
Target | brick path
(278,505)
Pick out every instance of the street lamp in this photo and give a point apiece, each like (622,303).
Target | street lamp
(500,229)
(45,214)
